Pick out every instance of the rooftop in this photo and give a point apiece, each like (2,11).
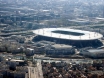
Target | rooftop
(56,33)
(17,60)
(96,50)
(58,46)
(30,49)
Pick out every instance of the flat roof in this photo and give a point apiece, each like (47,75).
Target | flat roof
(96,50)
(17,60)
(87,35)
(30,49)
(58,46)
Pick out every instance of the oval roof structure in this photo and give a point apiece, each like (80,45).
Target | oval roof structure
(69,34)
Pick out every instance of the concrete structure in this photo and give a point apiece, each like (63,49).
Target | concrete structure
(58,49)
(29,52)
(94,53)
(69,34)
(73,37)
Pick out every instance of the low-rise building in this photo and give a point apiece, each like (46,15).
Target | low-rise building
(94,53)
(60,50)
(29,52)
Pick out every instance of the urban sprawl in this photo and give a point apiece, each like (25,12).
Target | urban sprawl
(24,54)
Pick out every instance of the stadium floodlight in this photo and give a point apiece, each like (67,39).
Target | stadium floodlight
(89,35)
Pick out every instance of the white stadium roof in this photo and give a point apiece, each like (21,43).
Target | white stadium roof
(87,35)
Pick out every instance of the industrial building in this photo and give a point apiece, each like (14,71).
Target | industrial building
(58,49)
(94,53)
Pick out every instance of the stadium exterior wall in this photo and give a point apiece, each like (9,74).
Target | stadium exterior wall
(77,43)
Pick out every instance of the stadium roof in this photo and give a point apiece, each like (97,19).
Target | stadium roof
(71,34)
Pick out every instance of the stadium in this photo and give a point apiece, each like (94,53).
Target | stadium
(74,37)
